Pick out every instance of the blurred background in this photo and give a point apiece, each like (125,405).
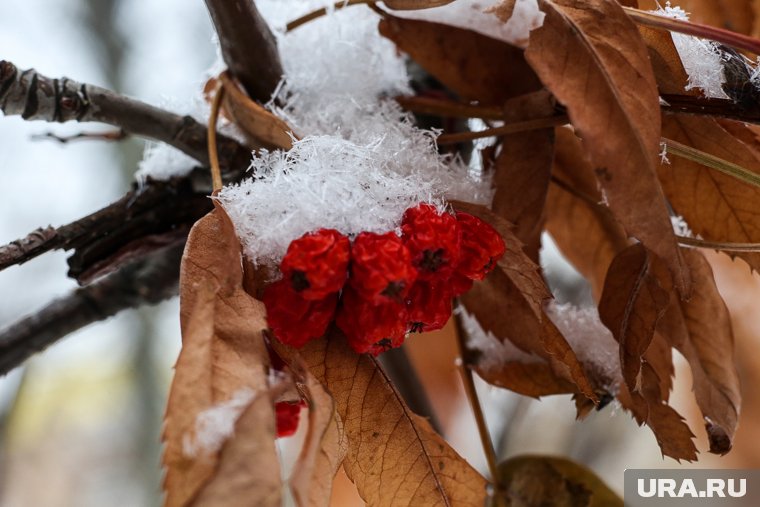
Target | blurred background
(80,423)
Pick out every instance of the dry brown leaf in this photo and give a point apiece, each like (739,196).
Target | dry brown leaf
(222,351)
(534,379)
(734,15)
(253,119)
(323,449)
(701,330)
(716,206)
(474,66)
(410,5)
(574,211)
(394,456)
(510,304)
(632,304)
(503,10)
(523,169)
(591,56)
(666,62)
(248,472)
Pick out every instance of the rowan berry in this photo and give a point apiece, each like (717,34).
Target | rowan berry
(371,328)
(433,239)
(316,264)
(481,247)
(428,306)
(287,414)
(294,320)
(381,267)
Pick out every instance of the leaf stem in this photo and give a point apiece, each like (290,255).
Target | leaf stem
(737,40)
(321,12)
(472,395)
(509,128)
(719,245)
(711,161)
(213,155)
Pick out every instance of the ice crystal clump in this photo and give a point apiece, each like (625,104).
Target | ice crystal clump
(215,425)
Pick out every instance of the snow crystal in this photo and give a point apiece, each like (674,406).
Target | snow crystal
(664,154)
(360,162)
(162,162)
(592,342)
(702,59)
(478,17)
(216,424)
(680,227)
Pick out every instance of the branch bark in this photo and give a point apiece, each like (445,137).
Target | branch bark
(248,46)
(147,281)
(34,96)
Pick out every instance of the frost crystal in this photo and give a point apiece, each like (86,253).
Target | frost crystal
(162,162)
(360,163)
(680,227)
(216,424)
(702,59)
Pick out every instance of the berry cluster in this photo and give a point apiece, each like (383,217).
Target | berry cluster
(287,414)
(381,286)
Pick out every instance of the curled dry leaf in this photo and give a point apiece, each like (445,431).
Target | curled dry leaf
(394,457)
(247,473)
(546,480)
(410,5)
(472,65)
(591,56)
(632,304)
(510,304)
(323,449)
(258,123)
(700,329)
(522,170)
(222,357)
(716,206)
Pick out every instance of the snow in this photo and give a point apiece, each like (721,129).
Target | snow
(680,227)
(216,424)
(702,59)
(163,162)
(360,162)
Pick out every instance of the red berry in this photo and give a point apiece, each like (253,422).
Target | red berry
(433,239)
(294,320)
(458,284)
(316,264)
(371,328)
(288,413)
(381,267)
(481,248)
(428,306)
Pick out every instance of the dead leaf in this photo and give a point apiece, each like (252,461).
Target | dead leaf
(409,5)
(574,210)
(253,119)
(394,456)
(474,66)
(248,472)
(632,304)
(323,449)
(716,206)
(523,169)
(510,304)
(591,56)
(222,353)
(666,62)
(503,10)
(534,378)
(701,330)
(548,480)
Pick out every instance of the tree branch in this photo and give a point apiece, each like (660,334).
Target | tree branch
(147,281)
(36,97)
(248,46)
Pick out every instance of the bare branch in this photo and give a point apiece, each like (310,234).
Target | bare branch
(248,47)
(114,135)
(147,281)
(36,97)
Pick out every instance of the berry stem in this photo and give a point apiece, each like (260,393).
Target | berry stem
(213,155)
(472,395)
(321,12)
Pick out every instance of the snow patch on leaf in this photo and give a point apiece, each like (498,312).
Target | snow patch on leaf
(680,227)
(360,162)
(216,424)
(701,58)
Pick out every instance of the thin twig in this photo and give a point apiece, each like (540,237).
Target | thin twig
(114,135)
(719,245)
(36,97)
(311,16)
(713,162)
(472,396)
(736,40)
(148,281)
(509,128)
(248,46)
(213,155)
